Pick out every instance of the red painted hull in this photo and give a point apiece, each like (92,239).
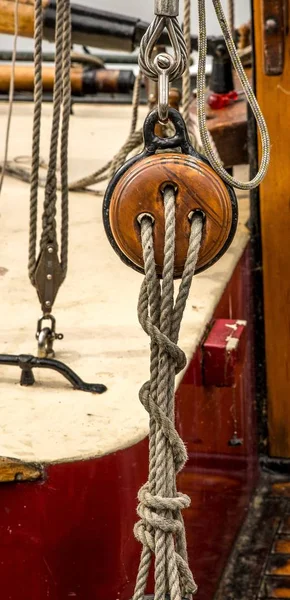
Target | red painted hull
(70,536)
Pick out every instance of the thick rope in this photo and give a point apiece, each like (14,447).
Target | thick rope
(231,14)
(38,33)
(201,100)
(161,529)
(188,116)
(11,95)
(186,83)
(60,121)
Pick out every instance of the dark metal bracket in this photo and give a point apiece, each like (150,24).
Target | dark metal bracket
(27,362)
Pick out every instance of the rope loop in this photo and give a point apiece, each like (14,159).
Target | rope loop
(160,529)
(250,96)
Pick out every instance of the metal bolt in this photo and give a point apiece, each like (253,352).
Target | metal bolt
(163,61)
(48,303)
(271,25)
(49,277)
(50,249)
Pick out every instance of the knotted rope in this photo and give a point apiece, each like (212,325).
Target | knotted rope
(60,129)
(161,528)
(11,95)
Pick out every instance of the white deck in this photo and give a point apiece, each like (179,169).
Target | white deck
(95,309)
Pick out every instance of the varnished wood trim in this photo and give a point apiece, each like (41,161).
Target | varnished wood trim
(198,188)
(12,470)
(25,17)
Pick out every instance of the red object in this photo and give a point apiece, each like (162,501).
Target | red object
(70,536)
(224,352)
(218,101)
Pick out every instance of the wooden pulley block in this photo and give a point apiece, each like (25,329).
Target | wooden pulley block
(138,188)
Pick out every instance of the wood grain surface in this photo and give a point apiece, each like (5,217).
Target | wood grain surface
(198,188)
(25,17)
(273,94)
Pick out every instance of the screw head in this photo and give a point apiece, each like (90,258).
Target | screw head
(163,61)
(48,303)
(50,249)
(49,277)
(271,25)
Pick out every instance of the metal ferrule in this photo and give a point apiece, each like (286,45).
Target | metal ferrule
(167,8)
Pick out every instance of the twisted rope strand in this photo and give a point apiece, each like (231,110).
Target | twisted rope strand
(66,108)
(59,129)
(34,181)
(161,528)
(186,83)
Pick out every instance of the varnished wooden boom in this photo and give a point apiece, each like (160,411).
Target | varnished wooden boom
(25,17)
(83,80)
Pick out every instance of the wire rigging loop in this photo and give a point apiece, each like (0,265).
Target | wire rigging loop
(250,96)
(164,68)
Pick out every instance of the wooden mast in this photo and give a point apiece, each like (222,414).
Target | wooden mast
(273,93)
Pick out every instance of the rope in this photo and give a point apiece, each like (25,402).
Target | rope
(133,141)
(11,95)
(161,528)
(231,13)
(201,87)
(38,33)
(60,121)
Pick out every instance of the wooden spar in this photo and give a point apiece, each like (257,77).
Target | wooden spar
(25,17)
(273,96)
(83,80)
(90,27)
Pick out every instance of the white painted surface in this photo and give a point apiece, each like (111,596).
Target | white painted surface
(95,309)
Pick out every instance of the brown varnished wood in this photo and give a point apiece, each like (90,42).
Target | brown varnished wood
(24,78)
(274,34)
(103,80)
(273,94)
(15,470)
(25,17)
(281,489)
(279,564)
(198,188)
